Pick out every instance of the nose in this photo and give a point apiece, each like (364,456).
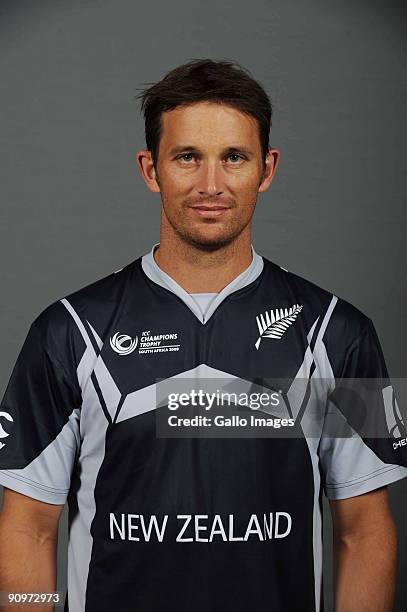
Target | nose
(209,178)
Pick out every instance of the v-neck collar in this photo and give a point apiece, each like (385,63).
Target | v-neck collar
(157,275)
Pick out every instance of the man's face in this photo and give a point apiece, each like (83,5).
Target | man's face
(209,155)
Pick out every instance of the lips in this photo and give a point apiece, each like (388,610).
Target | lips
(210,212)
(214,207)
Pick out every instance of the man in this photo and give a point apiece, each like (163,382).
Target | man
(198,523)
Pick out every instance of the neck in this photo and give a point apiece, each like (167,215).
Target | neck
(200,271)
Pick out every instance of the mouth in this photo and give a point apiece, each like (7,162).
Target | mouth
(210,211)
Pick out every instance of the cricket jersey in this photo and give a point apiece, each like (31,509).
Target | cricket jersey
(168,516)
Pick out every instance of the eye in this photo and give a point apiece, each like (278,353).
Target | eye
(184,155)
(236,155)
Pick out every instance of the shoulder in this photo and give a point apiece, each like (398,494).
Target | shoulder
(61,324)
(342,321)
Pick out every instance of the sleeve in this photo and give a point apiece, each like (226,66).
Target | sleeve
(39,424)
(363,445)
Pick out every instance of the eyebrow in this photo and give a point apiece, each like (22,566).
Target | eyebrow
(232,149)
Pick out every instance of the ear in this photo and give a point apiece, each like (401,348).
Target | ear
(146,166)
(272,159)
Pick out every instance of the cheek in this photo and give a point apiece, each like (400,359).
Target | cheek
(176,180)
(246,189)
(244,180)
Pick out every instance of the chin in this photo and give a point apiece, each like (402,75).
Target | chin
(208,243)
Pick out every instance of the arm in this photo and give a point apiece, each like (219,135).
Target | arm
(365,553)
(28,545)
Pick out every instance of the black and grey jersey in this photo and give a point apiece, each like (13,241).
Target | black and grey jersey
(165,523)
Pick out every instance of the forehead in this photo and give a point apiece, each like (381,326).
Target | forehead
(207,122)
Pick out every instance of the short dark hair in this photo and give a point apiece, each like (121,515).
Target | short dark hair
(199,80)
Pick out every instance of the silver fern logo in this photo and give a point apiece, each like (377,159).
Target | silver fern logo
(123,344)
(273,323)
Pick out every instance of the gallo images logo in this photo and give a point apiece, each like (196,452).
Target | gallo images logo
(123,344)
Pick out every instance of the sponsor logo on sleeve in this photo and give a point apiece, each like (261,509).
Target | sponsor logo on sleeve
(3,433)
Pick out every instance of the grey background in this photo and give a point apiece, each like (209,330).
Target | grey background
(73,207)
